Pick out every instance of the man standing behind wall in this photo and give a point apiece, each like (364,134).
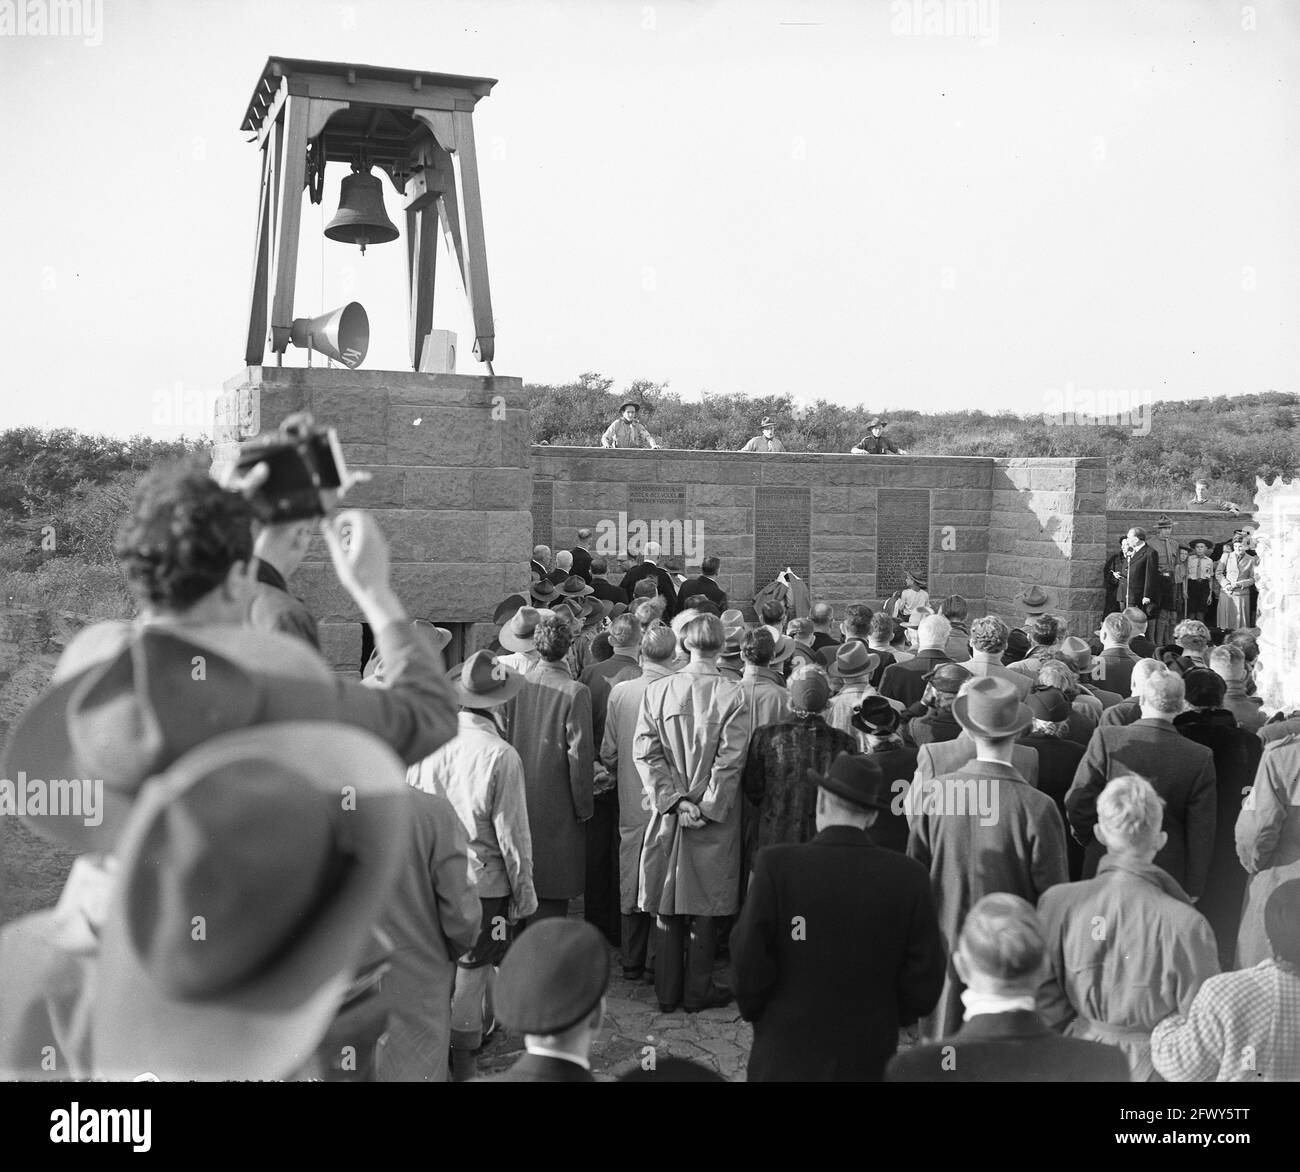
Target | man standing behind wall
(627,431)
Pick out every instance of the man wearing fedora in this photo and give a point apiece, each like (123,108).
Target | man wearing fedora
(1001,958)
(875,443)
(552,990)
(627,431)
(767,441)
(905,682)
(827,976)
(650,568)
(981,828)
(245,984)
(550,727)
(1058,758)
(938,758)
(482,777)
(516,639)
(852,667)
(658,646)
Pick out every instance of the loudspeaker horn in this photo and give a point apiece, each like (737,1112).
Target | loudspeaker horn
(342,334)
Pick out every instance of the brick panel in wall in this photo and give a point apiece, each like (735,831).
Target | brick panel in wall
(902,536)
(782,533)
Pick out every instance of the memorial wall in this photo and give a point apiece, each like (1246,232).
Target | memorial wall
(850,525)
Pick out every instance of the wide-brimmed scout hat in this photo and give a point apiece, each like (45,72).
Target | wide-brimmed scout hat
(507,608)
(483,682)
(856,778)
(877,422)
(1035,600)
(853,661)
(544,590)
(574,586)
(439,638)
(766,421)
(249,880)
(637,403)
(991,707)
(517,634)
(100,731)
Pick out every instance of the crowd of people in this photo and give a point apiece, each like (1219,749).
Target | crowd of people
(905,841)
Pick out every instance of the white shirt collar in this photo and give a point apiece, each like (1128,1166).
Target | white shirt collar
(563,1055)
(977,1003)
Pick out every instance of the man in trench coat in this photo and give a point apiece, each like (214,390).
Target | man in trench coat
(690,747)
(550,728)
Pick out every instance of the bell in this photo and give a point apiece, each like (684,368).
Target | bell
(361,218)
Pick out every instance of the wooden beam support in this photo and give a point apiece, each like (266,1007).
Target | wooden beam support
(255,346)
(475,268)
(293,177)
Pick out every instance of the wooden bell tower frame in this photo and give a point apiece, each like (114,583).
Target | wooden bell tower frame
(416,127)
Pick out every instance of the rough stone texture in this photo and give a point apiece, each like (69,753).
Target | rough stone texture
(451,492)
(340,644)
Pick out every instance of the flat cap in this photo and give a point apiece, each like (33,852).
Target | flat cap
(553,976)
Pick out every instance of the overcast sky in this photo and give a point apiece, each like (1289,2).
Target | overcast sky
(830,199)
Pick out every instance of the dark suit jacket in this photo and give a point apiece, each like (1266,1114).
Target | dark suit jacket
(664,579)
(1142,647)
(1125,712)
(837,946)
(1141,580)
(1117,664)
(1058,761)
(903,682)
(1236,760)
(1009,1047)
(606,590)
(540,1068)
(890,829)
(582,563)
(537,568)
(1181,772)
(706,586)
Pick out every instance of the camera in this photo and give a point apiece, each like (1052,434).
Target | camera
(302,461)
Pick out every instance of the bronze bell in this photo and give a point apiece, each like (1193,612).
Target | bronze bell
(361,218)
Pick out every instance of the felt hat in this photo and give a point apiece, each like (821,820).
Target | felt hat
(875,715)
(574,587)
(483,682)
(947,677)
(507,608)
(246,838)
(544,590)
(853,661)
(517,634)
(439,638)
(917,576)
(856,778)
(991,707)
(115,722)
(876,421)
(767,421)
(783,650)
(553,976)
(1164,521)
(1195,541)
(637,403)
(1048,704)
(1034,600)
(1076,654)
(733,619)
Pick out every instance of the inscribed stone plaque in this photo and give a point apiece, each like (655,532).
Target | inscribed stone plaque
(543,511)
(902,536)
(782,533)
(657,512)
